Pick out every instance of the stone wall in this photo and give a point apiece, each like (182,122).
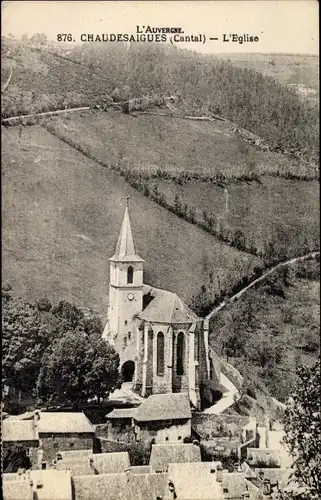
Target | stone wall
(50,444)
(164,432)
(121,431)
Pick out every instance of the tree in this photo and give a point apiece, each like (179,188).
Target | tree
(302,425)
(40,38)
(15,457)
(78,367)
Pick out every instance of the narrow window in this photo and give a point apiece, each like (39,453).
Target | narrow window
(180,351)
(160,354)
(130,275)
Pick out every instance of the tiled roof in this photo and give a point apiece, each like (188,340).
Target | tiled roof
(64,422)
(125,248)
(16,490)
(19,430)
(101,463)
(164,454)
(195,481)
(234,483)
(125,486)
(28,415)
(55,485)
(140,469)
(167,406)
(281,476)
(166,307)
(109,463)
(121,413)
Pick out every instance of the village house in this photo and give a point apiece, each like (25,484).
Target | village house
(160,418)
(44,433)
(163,345)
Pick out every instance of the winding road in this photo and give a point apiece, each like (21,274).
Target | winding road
(301,258)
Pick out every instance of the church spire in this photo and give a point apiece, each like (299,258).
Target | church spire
(125,248)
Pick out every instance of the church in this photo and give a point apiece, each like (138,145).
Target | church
(162,343)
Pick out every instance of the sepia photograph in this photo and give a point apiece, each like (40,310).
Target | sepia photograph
(160,250)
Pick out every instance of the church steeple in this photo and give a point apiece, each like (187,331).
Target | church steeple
(125,248)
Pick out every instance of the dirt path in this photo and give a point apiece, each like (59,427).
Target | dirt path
(46,113)
(5,85)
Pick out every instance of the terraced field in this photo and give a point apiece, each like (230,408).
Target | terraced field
(152,147)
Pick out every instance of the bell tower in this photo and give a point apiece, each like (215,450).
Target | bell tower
(125,292)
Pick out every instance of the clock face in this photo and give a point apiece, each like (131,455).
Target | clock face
(130,296)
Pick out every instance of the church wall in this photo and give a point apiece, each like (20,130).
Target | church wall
(150,375)
(162,383)
(180,382)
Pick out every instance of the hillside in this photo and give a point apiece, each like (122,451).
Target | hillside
(61,215)
(153,151)
(42,81)
(272,329)
(297,70)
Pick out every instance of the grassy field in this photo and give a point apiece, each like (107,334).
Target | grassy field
(151,147)
(273,332)
(146,145)
(259,210)
(61,216)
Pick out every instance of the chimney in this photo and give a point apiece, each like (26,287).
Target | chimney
(219,473)
(266,487)
(261,475)
(171,488)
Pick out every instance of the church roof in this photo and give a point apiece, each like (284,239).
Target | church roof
(125,248)
(166,307)
(167,406)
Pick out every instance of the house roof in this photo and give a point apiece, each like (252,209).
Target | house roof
(166,307)
(110,463)
(124,486)
(169,406)
(19,430)
(140,469)
(64,422)
(55,485)
(195,481)
(121,413)
(164,454)
(28,415)
(102,463)
(125,248)
(17,489)
(234,483)
(277,475)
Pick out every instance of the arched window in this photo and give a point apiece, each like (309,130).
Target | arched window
(180,353)
(160,354)
(130,275)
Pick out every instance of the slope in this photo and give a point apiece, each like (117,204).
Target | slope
(61,218)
